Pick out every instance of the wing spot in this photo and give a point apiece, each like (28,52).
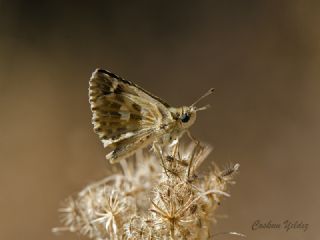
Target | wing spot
(98,129)
(135,117)
(119,98)
(121,129)
(136,107)
(105,91)
(115,114)
(115,105)
(118,90)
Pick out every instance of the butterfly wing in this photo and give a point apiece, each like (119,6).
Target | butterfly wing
(125,116)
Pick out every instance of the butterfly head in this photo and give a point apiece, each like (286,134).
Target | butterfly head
(188,115)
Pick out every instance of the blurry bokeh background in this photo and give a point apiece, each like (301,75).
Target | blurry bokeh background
(262,57)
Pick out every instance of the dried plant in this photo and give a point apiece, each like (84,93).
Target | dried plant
(161,196)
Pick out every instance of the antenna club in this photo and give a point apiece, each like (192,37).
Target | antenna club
(210,91)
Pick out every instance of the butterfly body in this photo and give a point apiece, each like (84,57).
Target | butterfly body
(126,117)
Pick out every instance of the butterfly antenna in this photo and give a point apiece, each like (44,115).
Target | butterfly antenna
(203,108)
(211,90)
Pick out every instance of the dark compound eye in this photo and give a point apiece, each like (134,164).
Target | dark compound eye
(185,118)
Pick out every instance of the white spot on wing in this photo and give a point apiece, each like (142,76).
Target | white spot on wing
(107,142)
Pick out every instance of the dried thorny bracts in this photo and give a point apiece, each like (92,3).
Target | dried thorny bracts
(152,198)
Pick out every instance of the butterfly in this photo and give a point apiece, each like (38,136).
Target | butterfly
(127,118)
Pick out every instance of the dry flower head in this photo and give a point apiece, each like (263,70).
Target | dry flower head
(160,196)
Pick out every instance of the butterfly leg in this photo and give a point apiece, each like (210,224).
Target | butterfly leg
(154,147)
(157,149)
(191,159)
(176,150)
(196,141)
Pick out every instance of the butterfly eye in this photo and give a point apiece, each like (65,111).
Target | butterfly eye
(185,117)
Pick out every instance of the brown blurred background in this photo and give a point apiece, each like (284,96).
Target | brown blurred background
(261,56)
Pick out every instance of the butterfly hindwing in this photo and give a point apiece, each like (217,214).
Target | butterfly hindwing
(127,146)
